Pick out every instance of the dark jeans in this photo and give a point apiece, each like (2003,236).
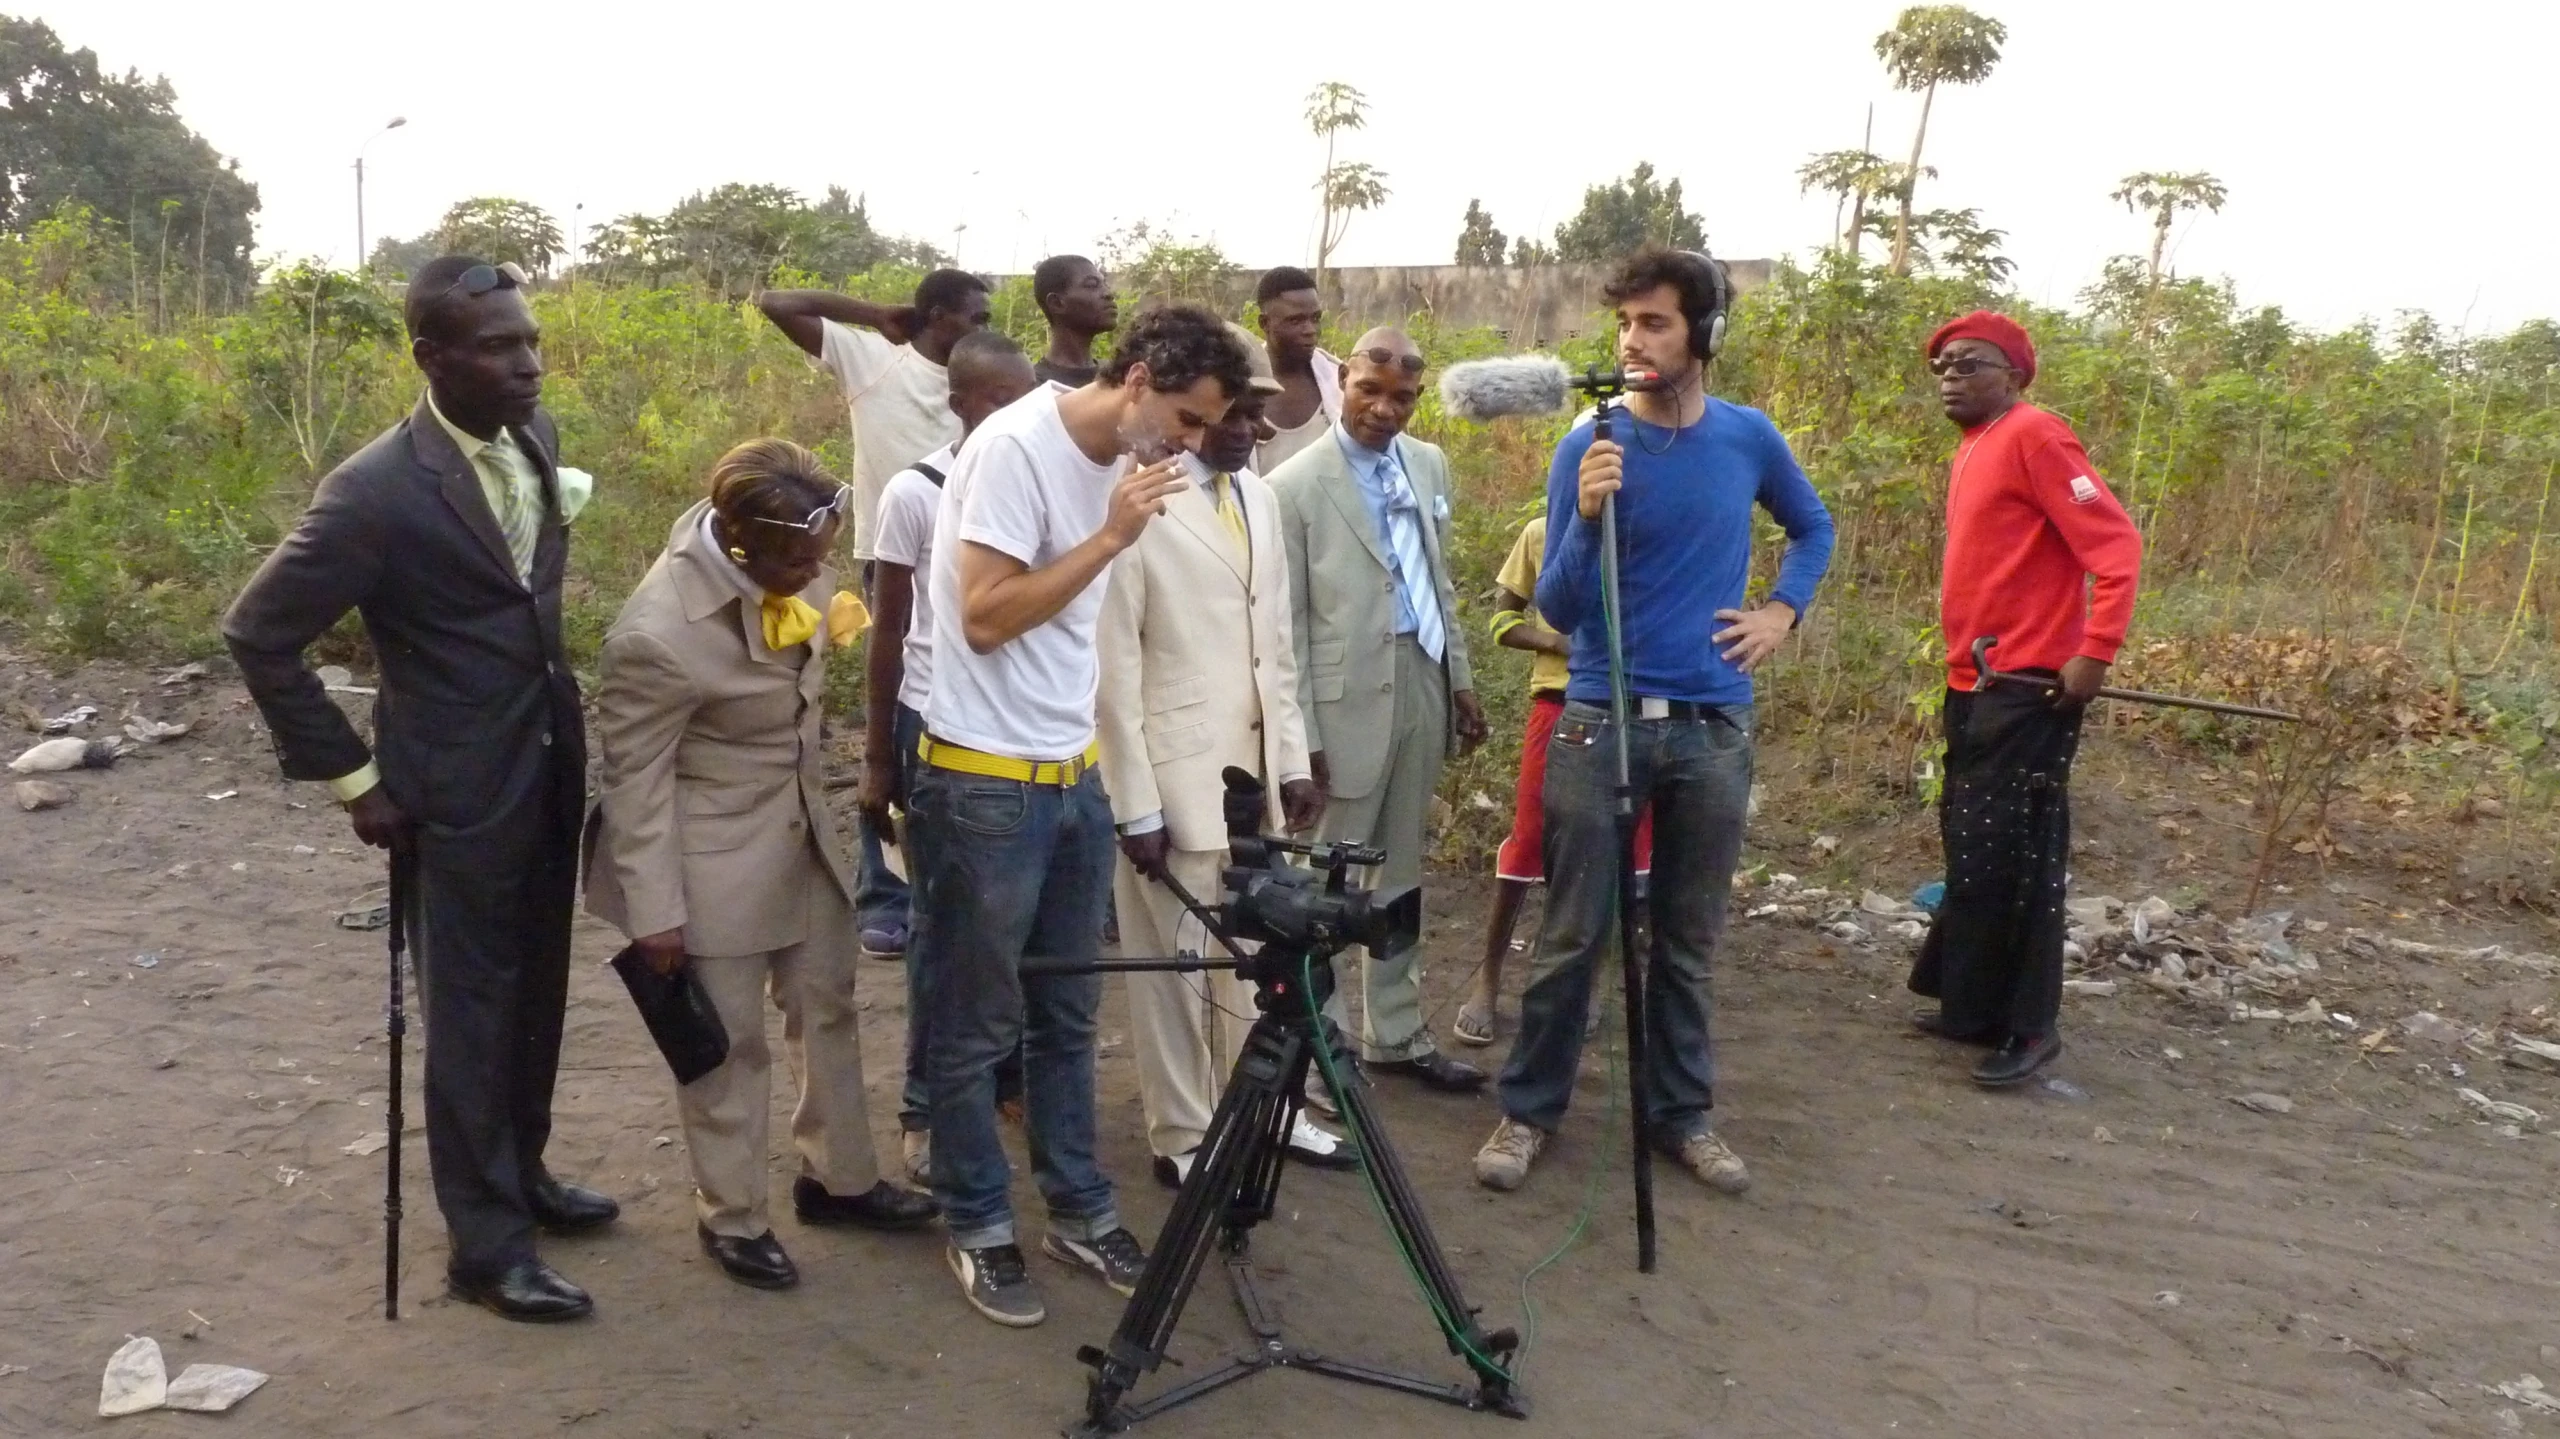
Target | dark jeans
(1696,773)
(884,899)
(915,1104)
(1993,958)
(1011,869)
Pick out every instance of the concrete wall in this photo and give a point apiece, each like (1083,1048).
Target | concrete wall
(1532,308)
(1535,307)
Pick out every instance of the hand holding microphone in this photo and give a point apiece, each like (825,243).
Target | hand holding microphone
(1602,473)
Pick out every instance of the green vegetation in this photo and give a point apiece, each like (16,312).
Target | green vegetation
(2304,494)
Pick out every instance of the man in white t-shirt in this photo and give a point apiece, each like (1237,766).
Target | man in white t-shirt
(988,372)
(1310,398)
(891,362)
(1016,842)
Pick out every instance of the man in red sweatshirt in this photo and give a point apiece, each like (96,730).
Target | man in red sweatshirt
(2040,555)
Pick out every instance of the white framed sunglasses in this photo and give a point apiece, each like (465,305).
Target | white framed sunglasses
(818,518)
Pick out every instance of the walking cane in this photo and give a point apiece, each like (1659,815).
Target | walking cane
(397,1025)
(1630,965)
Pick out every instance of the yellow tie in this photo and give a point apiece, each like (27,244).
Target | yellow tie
(1225,485)
(788,620)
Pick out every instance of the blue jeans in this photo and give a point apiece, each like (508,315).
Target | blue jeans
(884,900)
(1011,869)
(1697,775)
(905,731)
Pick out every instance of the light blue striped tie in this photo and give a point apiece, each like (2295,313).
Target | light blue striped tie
(1418,596)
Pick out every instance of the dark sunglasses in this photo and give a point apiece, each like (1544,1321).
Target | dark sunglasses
(818,518)
(1381,355)
(481,279)
(1964,368)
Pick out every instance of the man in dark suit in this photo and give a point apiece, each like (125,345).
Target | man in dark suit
(447,534)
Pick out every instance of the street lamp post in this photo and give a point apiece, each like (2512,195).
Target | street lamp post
(396,122)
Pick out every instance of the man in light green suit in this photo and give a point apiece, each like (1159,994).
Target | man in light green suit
(1383,680)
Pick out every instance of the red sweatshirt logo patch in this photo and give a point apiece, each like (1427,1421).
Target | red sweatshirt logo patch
(2083,490)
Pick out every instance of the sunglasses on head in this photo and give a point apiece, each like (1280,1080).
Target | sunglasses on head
(1381,355)
(818,518)
(1964,366)
(481,279)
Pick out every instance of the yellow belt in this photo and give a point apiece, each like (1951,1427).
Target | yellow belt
(942,754)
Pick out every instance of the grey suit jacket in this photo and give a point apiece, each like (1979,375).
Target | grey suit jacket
(1342,604)
(477,722)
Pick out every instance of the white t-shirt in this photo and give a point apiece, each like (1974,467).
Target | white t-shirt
(901,405)
(907,512)
(1020,487)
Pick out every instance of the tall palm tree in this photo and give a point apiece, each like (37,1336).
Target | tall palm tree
(2162,194)
(1929,45)
(1856,176)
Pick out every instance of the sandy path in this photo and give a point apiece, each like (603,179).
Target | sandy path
(1917,1257)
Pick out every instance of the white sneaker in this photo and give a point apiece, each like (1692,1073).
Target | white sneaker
(1505,1159)
(916,1147)
(1311,1143)
(1714,1162)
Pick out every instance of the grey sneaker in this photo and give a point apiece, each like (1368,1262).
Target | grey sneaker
(1714,1162)
(1505,1159)
(997,1285)
(915,1146)
(1115,1257)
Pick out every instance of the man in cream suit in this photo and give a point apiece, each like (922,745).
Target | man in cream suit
(1198,674)
(1382,660)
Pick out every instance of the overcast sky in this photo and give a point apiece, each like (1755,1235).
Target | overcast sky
(2369,149)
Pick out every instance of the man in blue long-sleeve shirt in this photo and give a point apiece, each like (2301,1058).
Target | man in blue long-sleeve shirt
(1686,483)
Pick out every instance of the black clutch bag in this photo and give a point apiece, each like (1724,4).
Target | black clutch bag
(678,1011)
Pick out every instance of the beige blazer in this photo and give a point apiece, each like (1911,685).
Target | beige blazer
(1198,671)
(712,788)
(1342,605)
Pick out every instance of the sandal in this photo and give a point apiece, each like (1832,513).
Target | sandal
(1472,1026)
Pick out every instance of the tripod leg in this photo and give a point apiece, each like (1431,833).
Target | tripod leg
(1484,1353)
(1631,967)
(1231,1184)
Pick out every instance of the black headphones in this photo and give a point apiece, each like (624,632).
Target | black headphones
(1706,328)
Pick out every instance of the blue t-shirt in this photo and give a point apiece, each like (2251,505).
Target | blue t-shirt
(1684,525)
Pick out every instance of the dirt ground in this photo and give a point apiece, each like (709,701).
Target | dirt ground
(2141,1257)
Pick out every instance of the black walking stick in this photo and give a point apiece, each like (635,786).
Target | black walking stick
(1631,965)
(397,1025)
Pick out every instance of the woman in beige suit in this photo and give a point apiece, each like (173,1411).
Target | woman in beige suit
(714,846)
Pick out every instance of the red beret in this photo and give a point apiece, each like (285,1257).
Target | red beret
(1996,328)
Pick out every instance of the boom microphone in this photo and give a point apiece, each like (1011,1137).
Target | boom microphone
(1530,385)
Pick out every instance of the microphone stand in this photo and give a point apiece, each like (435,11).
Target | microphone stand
(1631,966)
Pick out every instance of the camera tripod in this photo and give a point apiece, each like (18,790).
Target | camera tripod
(1233,1186)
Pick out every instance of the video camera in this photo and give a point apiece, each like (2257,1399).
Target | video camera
(1312,909)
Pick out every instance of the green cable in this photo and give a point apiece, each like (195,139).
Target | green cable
(1449,1325)
(1590,1199)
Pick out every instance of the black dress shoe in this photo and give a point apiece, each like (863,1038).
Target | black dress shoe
(1933,1023)
(882,1206)
(2016,1060)
(531,1292)
(1171,1171)
(758,1262)
(1437,1070)
(569,1208)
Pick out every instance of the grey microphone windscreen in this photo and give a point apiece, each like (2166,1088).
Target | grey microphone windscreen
(1511,385)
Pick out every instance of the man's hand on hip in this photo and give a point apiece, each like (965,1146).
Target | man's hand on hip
(1147,851)
(1754,635)
(1471,726)
(1601,473)
(1301,805)
(2082,677)
(378,822)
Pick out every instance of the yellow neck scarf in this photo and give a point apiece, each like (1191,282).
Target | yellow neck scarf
(788,620)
